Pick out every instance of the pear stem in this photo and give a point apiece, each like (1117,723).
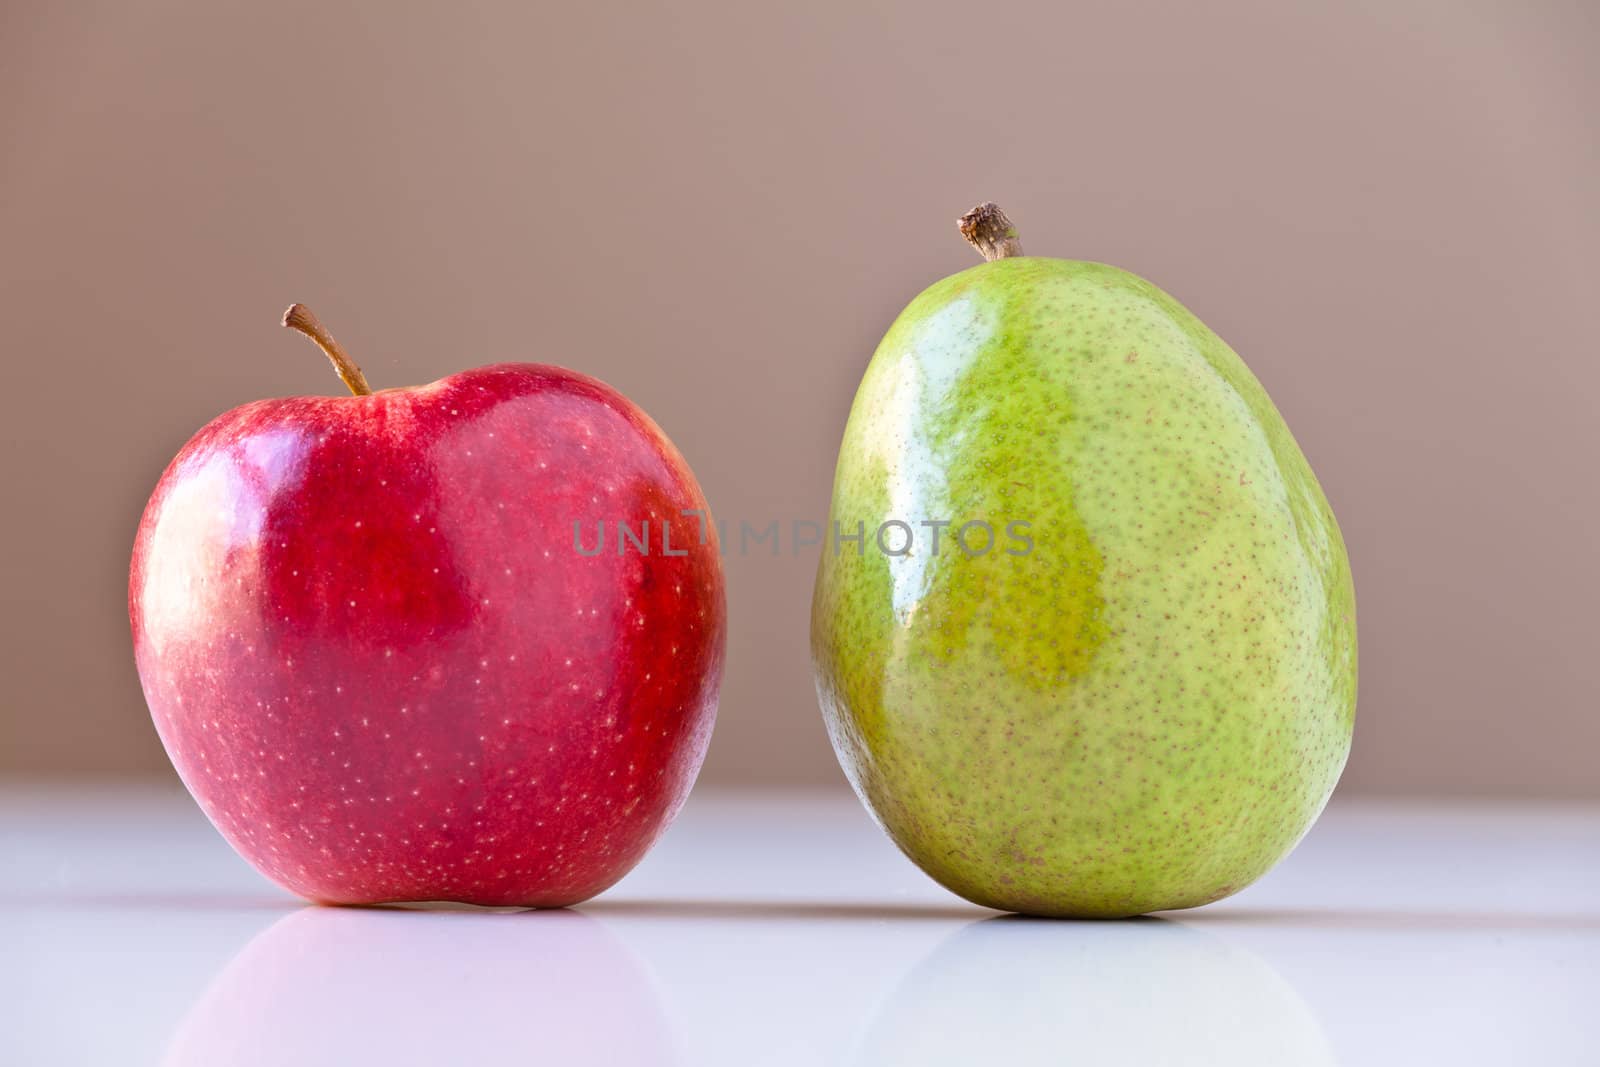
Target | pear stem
(299,317)
(987,229)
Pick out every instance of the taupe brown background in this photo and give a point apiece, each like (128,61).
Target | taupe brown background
(1388,208)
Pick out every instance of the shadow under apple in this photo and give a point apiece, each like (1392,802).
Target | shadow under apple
(1141,991)
(342,986)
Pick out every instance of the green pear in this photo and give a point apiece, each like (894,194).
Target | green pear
(1084,635)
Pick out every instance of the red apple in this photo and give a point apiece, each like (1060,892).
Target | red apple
(379,660)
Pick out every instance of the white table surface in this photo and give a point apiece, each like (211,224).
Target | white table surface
(785,929)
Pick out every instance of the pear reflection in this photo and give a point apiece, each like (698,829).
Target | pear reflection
(343,986)
(1145,991)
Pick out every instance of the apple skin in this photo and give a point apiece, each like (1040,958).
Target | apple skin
(381,665)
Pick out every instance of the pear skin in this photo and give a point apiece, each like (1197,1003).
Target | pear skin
(1137,691)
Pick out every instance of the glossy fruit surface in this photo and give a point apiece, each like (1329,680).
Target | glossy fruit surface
(380,663)
(1147,705)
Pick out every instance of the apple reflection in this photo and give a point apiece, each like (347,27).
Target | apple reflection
(393,986)
(1144,991)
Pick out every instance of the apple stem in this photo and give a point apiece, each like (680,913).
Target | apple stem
(987,229)
(299,317)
